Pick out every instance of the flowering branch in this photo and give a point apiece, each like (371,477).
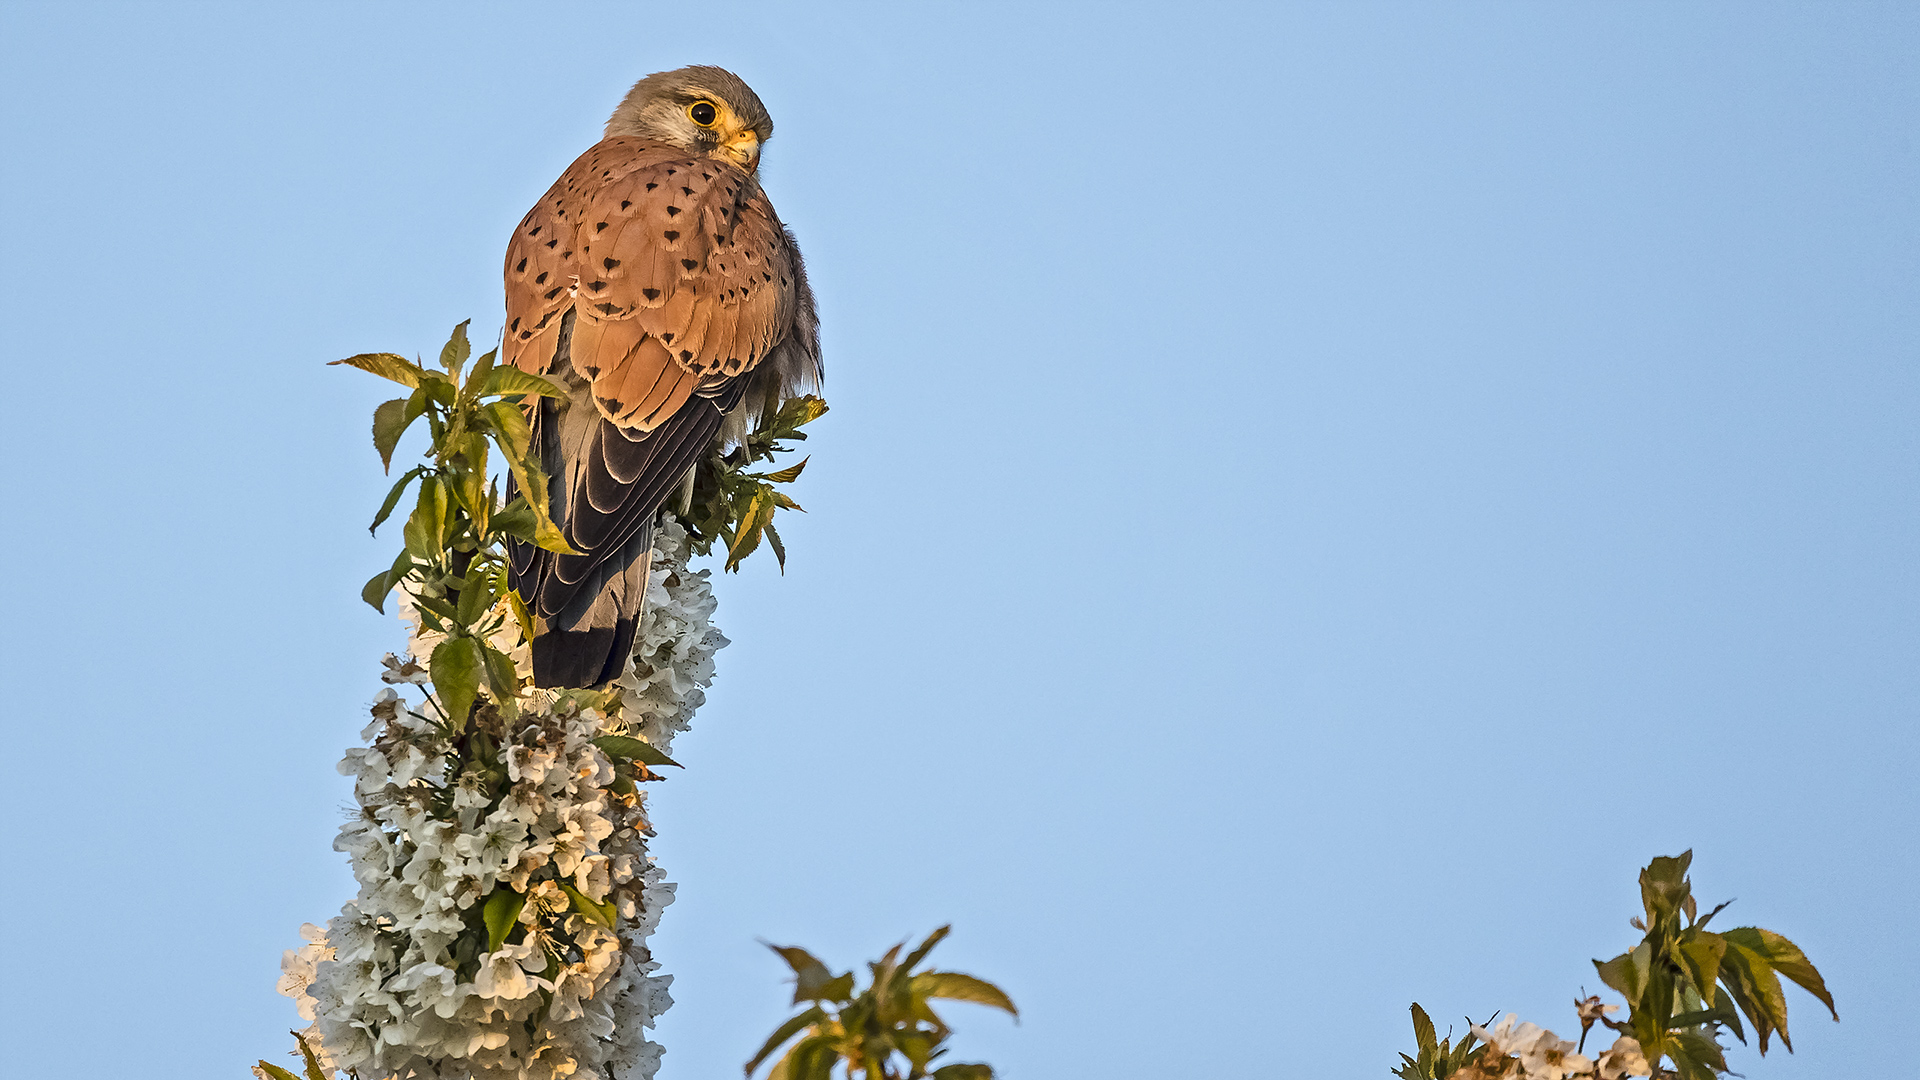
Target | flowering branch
(500,839)
(1682,984)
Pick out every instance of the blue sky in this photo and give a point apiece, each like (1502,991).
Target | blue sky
(1316,495)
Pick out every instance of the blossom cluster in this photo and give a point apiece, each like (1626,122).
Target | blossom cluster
(1529,1052)
(674,644)
(409,980)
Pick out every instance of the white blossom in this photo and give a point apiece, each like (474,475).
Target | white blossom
(674,644)
(1542,1055)
(1623,1059)
(396,985)
(403,671)
(296,968)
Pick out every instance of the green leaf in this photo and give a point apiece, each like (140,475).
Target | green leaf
(470,484)
(511,380)
(801,411)
(883,972)
(515,438)
(314,1072)
(417,402)
(953,986)
(1424,1036)
(1787,959)
(801,961)
(915,1046)
(516,521)
(794,1025)
(814,1059)
(1620,975)
(375,592)
(386,365)
(811,1058)
(436,605)
(1701,957)
(520,613)
(1663,885)
(476,598)
(811,977)
(1698,1056)
(393,497)
(390,421)
(622,746)
(913,958)
(592,910)
(510,423)
(839,988)
(1702,924)
(752,524)
(790,474)
(455,351)
(1728,1012)
(501,913)
(277,1072)
(962,1071)
(456,667)
(426,530)
(477,378)
(1756,990)
(779,549)
(502,678)
(622,781)
(439,389)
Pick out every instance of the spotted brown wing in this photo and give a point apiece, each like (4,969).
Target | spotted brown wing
(650,282)
(676,269)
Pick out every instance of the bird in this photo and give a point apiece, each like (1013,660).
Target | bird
(656,285)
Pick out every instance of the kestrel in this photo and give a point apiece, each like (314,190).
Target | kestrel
(654,282)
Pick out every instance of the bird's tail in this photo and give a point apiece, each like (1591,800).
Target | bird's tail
(592,646)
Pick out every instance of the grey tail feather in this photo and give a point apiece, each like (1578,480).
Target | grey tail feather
(583,658)
(593,644)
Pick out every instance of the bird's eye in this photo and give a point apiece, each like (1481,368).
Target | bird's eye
(703,113)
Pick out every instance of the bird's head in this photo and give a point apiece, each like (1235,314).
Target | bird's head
(703,110)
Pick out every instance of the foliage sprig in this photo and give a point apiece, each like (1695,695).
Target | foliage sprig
(735,506)
(887,1031)
(453,561)
(1683,981)
(1438,1058)
(1682,984)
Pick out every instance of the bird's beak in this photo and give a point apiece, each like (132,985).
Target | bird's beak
(744,150)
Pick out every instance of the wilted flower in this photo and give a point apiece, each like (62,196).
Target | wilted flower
(388,706)
(1623,1059)
(1591,1011)
(407,671)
